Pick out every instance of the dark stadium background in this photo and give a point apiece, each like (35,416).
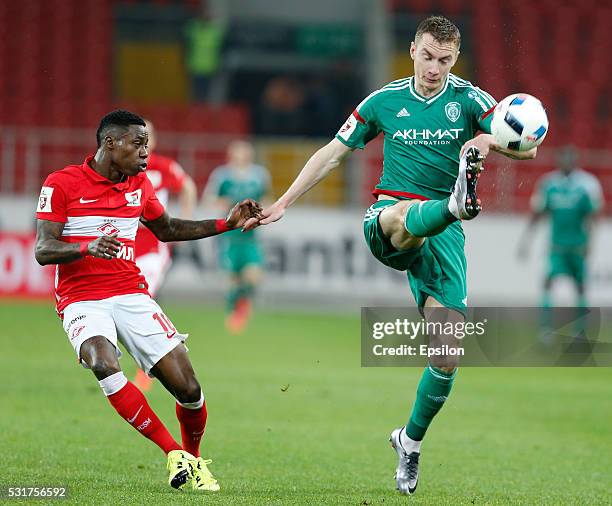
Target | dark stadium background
(286,74)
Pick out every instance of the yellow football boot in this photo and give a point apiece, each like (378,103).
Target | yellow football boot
(202,477)
(180,468)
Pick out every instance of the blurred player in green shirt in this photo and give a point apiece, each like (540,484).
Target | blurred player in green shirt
(240,253)
(428,185)
(571,198)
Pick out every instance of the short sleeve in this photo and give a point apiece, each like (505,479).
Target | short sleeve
(481,106)
(52,202)
(593,200)
(175,177)
(152,208)
(595,194)
(361,126)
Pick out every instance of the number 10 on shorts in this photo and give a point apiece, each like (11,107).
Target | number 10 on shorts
(165,324)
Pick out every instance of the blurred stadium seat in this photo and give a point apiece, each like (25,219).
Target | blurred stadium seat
(59,70)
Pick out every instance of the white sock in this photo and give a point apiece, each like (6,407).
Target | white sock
(193,405)
(410,445)
(113,383)
(453,207)
(458,190)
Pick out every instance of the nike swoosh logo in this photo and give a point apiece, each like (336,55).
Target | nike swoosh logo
(83,201)
(131,420)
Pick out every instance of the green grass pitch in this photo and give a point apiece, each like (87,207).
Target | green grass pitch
(294,419)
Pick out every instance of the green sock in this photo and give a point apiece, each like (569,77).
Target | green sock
(580,327)
(240,291)
(434,387)
(428,218)
(248,289)
(232,297)
(546,317)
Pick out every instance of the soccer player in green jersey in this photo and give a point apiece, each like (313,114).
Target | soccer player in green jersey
(571,198)
(428,185)
(240,253)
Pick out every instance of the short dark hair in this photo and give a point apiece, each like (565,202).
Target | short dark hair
(440,28)
(118,118)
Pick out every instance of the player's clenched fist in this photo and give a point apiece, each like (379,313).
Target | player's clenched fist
(104,247)
(241,212)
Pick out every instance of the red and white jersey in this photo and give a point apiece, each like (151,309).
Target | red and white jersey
(167,177)
(90,206)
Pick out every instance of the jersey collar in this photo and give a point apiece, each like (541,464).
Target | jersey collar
(423,99)
(99,178)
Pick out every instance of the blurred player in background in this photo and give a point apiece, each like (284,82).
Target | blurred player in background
(153,257)
(428,186)
(240,253)
(88,216)
(571,198)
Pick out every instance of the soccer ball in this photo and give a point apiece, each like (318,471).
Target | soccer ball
(519,122)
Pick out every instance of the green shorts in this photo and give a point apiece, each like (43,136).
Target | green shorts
(235,255)
(569,263)
(437,269)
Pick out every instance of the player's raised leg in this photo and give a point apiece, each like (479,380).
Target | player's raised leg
(408,222)
(100,355)
(176,373)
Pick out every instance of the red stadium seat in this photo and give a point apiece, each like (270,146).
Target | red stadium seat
(415,6)
(452,7)
(542,55)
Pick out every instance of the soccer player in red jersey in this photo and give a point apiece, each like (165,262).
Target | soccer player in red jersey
(88,216)
(153,256)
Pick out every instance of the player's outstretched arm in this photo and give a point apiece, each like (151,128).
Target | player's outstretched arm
(50,249)
(169,229)
(317,167)
(486,143)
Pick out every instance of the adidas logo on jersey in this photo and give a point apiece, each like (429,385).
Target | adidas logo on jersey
(372,213)
(403,113)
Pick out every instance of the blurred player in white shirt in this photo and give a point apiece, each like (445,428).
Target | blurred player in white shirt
(153,257)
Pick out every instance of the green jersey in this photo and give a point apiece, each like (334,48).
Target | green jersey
(233,185)
(228,183)
(569,200)
(423,135)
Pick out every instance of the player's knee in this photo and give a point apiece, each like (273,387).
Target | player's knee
(393,223)
(447,363)
(189,392)
(253,275)
(100,356)
(392,218)
(103,367)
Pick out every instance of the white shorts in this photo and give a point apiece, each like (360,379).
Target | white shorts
(154,267)
(136,319)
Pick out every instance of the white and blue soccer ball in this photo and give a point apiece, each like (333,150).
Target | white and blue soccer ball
(519,122)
